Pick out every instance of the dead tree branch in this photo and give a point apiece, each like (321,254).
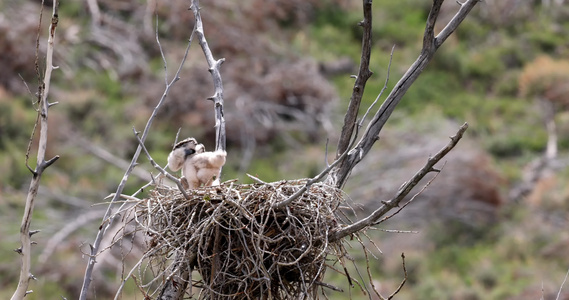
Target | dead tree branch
(359,86)
(104,224)
(402,282)
(403,191)
(42,164)
(431,43)
(176,286)
(561,287)
(159,168)
(107,156)
(214,65)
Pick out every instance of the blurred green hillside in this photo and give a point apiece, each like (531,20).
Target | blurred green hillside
(493,225)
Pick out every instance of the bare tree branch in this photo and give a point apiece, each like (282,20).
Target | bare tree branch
(431,43)
(72,226)
(561,287)
(42,164)
(403,191)
(160,169)
(359,86)
(382,89)
(176,286)
(402,282)
(105,225)
(107,156)
(214,65)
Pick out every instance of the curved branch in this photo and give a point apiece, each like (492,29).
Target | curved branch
(159,168)
(403,191)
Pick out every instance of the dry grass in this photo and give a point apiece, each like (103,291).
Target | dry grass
(547,78)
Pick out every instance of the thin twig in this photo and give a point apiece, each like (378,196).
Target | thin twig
(561,287)
(104,225)
(107,156)
(402,282)
(327,285)
(403,191)
(437,172)
(382,89)
(256,179)
(159,168)
(431,43)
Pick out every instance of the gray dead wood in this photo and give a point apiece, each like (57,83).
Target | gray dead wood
(94,248)
(42,164)
(339,175)
(176,286)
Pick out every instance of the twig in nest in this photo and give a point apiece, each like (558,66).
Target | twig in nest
(159,168)
(242,246)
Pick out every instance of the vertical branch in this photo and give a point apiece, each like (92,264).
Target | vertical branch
(42,164)
(429,35)
(214,65)
(105,224)
(359,86)
(176,286)
(431,43)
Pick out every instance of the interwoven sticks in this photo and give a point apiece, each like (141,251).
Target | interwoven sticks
(239,243)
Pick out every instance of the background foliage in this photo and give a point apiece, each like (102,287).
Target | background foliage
(287,83)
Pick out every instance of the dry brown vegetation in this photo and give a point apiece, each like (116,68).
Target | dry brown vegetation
(239,243)
(548,78)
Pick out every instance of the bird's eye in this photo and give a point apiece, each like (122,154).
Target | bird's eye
(189,152)
(180,145)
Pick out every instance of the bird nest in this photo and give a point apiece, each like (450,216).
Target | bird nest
(240,242)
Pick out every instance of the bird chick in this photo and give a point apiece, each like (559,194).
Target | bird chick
(199,167)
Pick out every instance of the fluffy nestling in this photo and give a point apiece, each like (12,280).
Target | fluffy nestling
(199,167)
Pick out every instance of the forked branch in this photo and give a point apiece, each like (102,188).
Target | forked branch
(214,65)
(403,191)
(431,43)
(176,285)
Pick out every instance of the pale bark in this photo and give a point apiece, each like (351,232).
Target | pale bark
(176,286)
(339,175)
(87,279)
(43,92)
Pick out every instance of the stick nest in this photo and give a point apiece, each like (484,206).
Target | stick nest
(242,246)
